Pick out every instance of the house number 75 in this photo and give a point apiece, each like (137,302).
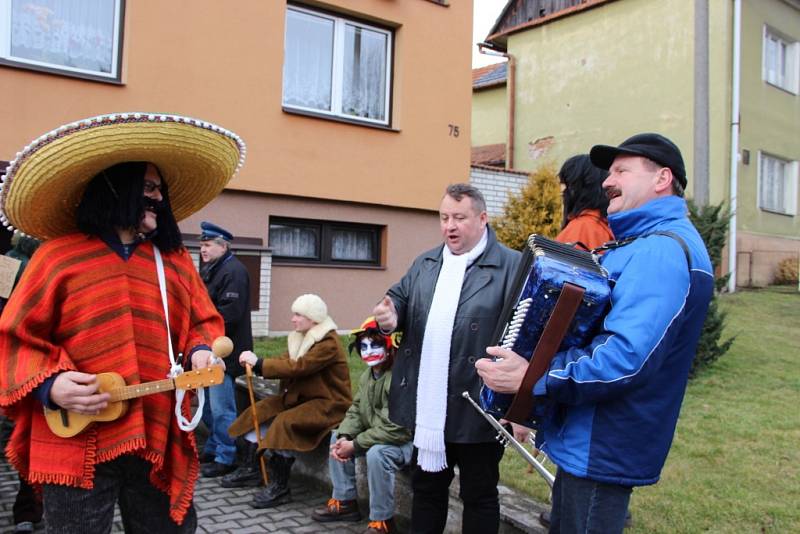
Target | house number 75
(453,130)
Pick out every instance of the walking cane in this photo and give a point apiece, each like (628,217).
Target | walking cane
(249,371)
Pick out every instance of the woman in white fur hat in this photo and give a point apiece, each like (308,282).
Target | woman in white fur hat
(315,395)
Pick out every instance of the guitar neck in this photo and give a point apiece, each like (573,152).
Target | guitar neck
(140,390)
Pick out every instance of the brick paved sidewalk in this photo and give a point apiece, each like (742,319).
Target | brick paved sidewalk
(219,510)
(228,510)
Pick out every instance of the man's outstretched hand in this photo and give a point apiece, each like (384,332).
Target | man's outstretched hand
(385,314)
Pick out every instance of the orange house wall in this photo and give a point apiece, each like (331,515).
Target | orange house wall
(222,62)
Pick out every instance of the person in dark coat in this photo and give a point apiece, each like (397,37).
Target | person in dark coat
(27,508)
(447,306)
(228,286)
(22,248)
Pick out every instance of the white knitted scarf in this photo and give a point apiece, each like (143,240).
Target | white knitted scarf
(435,358)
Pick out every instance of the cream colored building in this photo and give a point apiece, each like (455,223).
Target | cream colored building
(353,126)
(598,71)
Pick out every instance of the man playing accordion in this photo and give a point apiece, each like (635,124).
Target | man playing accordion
(611,406)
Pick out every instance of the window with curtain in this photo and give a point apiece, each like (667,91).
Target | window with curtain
(76,37)
(294,240)
(324,242)
(336,66)
(781,63)
(777,184)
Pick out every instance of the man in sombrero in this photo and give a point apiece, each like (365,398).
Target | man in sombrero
(104,194)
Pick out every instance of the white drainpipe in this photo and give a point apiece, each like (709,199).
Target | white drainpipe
(737,52)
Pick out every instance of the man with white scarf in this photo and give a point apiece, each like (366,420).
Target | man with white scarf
(447,304)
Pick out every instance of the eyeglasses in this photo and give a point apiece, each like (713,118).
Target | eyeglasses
(150,187)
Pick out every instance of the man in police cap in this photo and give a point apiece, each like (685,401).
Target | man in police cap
(229,287)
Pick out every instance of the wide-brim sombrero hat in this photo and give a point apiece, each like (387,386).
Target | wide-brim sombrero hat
(44,184)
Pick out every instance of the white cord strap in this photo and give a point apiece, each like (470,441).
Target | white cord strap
(175,368)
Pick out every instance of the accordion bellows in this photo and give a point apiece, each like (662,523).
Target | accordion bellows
(544,268)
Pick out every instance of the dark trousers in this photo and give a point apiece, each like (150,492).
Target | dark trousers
(143,507)
(583,506)
(27,506)
(479,471)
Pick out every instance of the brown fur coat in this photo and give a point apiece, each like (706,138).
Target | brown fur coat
(314,394)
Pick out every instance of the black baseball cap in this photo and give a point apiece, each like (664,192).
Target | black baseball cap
(652,146)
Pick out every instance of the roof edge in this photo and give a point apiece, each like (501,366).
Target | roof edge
(490,85)
(498,169)
(590,4)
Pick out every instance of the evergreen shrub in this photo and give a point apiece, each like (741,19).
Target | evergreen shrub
(712,224)
(535,210)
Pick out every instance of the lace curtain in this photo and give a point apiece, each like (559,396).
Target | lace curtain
(70,33)
(352,245)
(364,91)
(775,58)
(773,172)
(293,241)
(303,241)
(309,62)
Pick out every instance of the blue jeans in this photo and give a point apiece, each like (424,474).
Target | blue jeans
(144,508)
(383,461)
(219,413)
(583,506)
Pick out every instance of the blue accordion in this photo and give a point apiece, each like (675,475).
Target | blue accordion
(546,271)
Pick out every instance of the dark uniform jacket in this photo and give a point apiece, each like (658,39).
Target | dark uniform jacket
(228,285)
(487,284)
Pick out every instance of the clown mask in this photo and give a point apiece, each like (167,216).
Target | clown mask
(372,352)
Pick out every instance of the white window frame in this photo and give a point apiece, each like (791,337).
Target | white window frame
(790,177)
(788,75)
(337,68)
(7,59)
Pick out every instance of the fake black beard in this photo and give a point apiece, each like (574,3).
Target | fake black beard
(158,207)
(153,204)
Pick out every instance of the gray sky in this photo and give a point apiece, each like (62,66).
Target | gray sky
(485,13)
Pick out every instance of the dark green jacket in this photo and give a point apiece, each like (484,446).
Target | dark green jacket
(367,420)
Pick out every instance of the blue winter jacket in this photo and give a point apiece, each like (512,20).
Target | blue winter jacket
(614,404)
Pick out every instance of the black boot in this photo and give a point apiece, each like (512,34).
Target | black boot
(248,474)
(277,492)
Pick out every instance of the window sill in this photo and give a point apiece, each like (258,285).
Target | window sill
(781,88)
(334,118)
(59,72)
(327,265)
(774,212)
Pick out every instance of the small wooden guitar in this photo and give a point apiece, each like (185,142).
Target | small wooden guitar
(65,423)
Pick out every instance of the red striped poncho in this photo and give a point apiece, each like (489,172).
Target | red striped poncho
(80,306)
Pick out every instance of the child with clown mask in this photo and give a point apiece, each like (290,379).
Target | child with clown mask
(366,430)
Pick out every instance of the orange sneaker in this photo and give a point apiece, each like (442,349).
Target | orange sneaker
(380,527)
